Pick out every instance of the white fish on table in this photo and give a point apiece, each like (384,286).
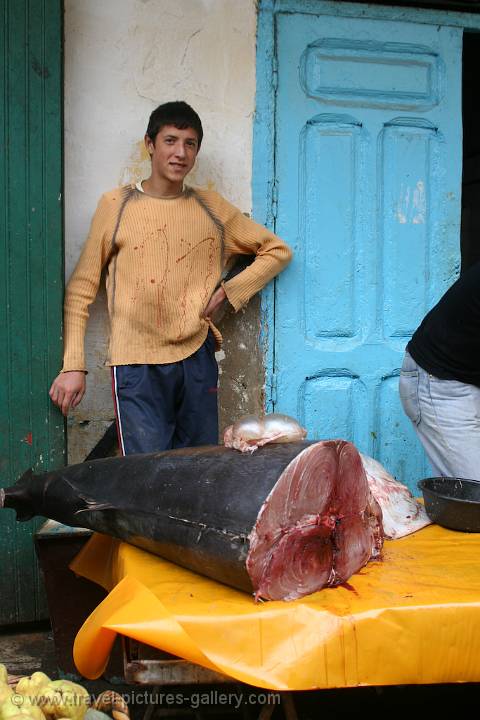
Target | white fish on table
(402,513)
(250,432)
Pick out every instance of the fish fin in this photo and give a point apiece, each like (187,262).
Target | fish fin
(92,504)
(27,475)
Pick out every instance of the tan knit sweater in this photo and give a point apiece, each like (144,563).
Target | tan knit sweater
(164,258)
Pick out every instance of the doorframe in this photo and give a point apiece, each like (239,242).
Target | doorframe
(264,125)
(32,237)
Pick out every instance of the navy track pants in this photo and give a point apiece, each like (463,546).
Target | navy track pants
(173,405)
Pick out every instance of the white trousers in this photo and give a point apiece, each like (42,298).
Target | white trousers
(446,418)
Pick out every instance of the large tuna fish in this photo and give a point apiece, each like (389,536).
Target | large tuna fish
(401,513)
(281,523)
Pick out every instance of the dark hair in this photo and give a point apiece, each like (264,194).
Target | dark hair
(178,114)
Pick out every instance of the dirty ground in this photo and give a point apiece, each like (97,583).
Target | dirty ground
(30,648)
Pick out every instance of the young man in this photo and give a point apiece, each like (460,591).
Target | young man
(164,246)
(440,380)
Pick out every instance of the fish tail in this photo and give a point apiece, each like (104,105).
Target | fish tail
(16,498)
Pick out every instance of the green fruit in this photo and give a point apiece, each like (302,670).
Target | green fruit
(5,692)
(3,674)
(19,705)
(32,686)
(65,699)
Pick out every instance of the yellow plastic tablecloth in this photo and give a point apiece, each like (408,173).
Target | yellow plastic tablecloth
(412,618)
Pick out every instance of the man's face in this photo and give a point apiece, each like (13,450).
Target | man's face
(173,153)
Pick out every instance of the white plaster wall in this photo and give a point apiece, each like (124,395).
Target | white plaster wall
(122,59)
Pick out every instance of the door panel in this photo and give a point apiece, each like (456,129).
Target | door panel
(31,430)
(368,173)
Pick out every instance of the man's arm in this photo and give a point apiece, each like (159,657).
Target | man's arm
(69,386)
(243,236)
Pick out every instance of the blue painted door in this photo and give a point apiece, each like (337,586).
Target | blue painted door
(368,175)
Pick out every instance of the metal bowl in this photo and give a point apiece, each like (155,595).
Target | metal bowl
(452,502)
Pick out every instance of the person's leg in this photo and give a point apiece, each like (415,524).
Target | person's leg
(453,409)
(446,417)
(197,413)
(144,398)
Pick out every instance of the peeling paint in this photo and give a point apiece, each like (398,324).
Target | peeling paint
(412,204)
(138,166)
(196,179)
(187,45)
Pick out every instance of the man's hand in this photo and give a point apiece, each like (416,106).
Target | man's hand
(68,389)
(215,303)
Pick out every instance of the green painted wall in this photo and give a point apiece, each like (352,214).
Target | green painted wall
(31,272)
